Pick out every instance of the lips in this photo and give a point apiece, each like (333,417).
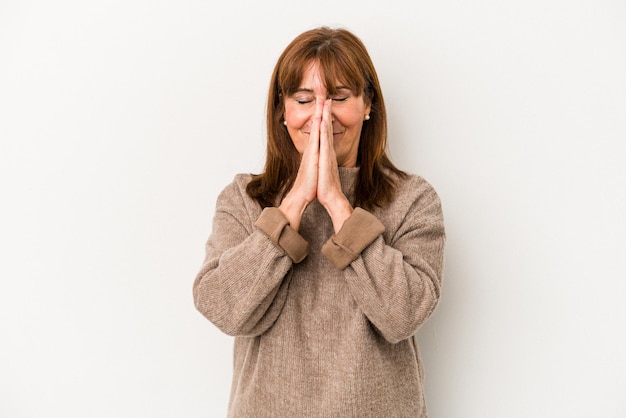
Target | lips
(334,133)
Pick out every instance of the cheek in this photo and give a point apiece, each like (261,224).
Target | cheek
(296,118)
(352,118)
(351,115)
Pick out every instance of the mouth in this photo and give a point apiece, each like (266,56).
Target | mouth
(334,133)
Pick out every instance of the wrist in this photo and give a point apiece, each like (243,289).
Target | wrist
(339,210)
(293,208)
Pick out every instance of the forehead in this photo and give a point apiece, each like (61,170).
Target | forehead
(315,78)
(312,76)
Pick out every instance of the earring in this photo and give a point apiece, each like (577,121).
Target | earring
(285,122)
(367,117)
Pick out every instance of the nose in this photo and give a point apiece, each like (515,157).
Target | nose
(332,113)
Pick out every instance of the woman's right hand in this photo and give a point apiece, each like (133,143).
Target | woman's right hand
(304,188)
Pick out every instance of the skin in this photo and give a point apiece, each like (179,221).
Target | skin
(326,132)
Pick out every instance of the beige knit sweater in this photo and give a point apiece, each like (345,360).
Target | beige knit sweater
(324,323)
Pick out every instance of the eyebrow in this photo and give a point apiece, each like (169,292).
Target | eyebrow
(311,91)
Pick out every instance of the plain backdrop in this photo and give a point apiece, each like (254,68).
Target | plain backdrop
(121,121)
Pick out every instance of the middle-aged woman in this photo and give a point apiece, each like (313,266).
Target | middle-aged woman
(325,265)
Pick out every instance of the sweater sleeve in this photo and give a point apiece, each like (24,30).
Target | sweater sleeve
(397,285)
(357,232)
(243,282)
(275,225)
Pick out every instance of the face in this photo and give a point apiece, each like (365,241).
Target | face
(348,112)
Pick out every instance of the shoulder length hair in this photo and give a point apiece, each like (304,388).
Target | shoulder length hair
(343,59)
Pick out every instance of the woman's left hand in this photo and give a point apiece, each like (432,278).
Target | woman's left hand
(329,192)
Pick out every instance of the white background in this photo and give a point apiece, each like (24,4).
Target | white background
(120,122)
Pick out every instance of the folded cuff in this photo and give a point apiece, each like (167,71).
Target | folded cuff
(273,223)
(357,232)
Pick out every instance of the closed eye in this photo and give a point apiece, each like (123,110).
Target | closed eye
(340,99)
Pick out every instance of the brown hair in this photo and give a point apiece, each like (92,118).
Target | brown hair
(343,59)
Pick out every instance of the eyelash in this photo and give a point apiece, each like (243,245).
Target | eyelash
(339,99)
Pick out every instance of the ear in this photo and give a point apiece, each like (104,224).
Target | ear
(366,110)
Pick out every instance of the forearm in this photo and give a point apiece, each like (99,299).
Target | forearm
(396,286)
(339,209)
(395,296)
(242,284)
(293,207)
(243,289)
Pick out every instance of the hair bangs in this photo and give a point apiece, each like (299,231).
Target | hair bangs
(339,70)
(338,65)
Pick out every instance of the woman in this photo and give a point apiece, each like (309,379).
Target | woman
(325,265)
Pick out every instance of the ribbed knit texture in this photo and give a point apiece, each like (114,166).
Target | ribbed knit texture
(312,339)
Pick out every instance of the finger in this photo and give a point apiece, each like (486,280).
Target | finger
(317,120)
(327,128)
(326,141)
(310,158)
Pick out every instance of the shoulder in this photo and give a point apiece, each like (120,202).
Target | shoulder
(412,188)
(415,202)
(235,200)
(242,180)
(237,186)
